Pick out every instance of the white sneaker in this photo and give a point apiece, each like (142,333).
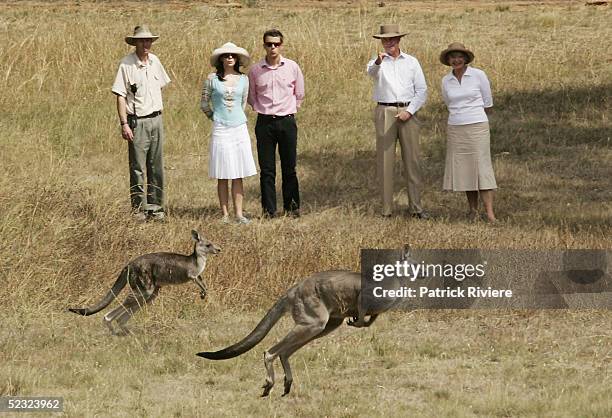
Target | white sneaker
(242,220)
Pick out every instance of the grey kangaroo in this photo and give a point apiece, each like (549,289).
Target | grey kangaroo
(146,274)
(318,304)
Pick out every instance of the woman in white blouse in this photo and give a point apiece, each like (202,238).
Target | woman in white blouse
(467,94)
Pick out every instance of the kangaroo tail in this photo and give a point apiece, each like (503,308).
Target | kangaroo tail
(251,340)
(108,298)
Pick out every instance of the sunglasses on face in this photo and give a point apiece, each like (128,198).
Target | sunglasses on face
(226,56)
(272,44)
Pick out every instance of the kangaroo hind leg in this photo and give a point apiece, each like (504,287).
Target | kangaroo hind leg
(298,336)
(307,327)
(331,325)
(134,301)
(140,302)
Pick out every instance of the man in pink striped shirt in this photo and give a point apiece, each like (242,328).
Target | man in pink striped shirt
(276,91)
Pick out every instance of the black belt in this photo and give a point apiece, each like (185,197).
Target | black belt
(150,115)
(272,117)
(396,104)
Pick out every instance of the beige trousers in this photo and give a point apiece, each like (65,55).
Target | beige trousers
(388,130)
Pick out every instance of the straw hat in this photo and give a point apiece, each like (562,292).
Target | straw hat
(456,47)
(229,48)
(140,32)
(389,31)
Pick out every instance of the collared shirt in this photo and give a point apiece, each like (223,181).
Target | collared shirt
(149,78)
(467,100)
(399,80)
(276,91)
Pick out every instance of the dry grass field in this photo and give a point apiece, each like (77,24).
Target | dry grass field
(65,231)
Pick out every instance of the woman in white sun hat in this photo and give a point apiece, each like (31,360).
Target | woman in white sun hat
(467,93)
(224,98)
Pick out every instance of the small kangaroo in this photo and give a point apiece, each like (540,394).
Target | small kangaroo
(146,274)
(318,304)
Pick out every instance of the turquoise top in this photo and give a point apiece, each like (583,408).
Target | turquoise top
(228,102)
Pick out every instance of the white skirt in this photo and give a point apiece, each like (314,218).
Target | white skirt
(230,155)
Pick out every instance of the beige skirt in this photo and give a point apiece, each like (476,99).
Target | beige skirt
(468,158)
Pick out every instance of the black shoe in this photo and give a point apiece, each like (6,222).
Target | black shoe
(268,215)
(420,215)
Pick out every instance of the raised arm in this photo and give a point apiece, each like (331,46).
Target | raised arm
(373,67)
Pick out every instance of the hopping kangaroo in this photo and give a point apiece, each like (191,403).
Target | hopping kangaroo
(318,304)
(146,274)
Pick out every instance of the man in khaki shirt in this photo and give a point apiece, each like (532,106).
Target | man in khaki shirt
(137,86)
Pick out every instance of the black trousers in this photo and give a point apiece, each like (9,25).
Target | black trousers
(270,132)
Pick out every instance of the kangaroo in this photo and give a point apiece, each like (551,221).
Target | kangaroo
(146,274)
(318,304)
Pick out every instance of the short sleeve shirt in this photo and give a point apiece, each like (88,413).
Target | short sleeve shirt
(147,78)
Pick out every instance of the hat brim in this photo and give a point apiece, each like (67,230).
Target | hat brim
(243,56)
(131,40)
(389,35)
(444,55)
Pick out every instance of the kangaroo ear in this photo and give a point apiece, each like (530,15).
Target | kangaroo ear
(195,235)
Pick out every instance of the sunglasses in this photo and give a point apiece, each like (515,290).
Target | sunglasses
(226,56)
(272,44)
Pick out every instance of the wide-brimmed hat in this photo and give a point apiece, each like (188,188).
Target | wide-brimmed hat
(140,32)
(389,31)
(456,47)
(229,48)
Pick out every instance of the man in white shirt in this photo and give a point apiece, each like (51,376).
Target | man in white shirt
(399,91)
(138,84)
